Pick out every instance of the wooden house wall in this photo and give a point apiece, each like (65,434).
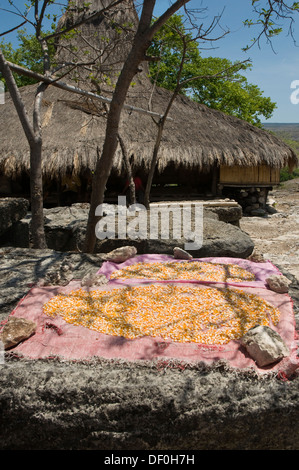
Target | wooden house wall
(237,175)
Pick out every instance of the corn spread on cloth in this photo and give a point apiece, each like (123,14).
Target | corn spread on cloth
(155,307)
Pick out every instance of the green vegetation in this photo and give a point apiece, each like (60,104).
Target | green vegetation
(28,54)
(286,175)
(289,133)
(224,88)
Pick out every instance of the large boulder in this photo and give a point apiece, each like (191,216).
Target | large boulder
(224,239)
(219,239)
(230,214)
(11,211)
(65,229)
(63,226)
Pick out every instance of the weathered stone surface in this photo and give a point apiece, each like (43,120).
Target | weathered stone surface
(63,227)
(108,405)
(11,211)
(264,345)
(22,268)
(58,277)
(222,239)
(178,253)
(16,330)
(92,279)
(228,214)
(278,283)
(258,212)
(65,231)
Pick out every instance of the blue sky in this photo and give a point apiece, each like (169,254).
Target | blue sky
(273,72)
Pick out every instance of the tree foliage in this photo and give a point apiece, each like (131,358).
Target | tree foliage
(222,87)
(28,53)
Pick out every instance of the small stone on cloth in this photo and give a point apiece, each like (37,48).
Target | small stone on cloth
(179,253)
(16,330)
(264,345)
(278,283)
(119,255)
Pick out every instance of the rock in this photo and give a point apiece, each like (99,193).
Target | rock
(60,276)
(119,255)
(257,257)
(219,239)
(264,345)
(23,268)
(270,209)
(93,280)
(178,253)
(65,231)
(248,209)
(11,211)
(16,330)
(230,214)
(258,212)
(222,239)
(278,283)
(63,226)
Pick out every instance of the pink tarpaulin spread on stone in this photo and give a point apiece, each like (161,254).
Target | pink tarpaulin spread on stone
(56,338)
(261,271)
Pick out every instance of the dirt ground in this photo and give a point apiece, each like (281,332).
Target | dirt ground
(276,236)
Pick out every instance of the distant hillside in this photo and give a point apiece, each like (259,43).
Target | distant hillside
(288,131)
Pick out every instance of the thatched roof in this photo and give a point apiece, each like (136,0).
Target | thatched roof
(105,39)
(197,137)
(73,127)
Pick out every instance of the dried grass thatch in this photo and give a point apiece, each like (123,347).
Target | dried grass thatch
(74,127)
(196,138)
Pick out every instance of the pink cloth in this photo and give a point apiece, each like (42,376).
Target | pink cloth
(56,338)
(261,270)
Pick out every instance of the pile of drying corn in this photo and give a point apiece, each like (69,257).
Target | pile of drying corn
(185,270)
(179,313)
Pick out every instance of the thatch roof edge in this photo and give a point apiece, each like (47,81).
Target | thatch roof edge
(198,137)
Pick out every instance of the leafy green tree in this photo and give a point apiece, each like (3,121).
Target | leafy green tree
(222,86)
(28,54)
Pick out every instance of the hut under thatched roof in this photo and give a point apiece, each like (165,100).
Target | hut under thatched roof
(202,148)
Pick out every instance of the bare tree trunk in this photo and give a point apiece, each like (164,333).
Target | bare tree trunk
(36,177)
(151,172)
(36,193)
(128,170)
(104,164)
(161,125)
(35,143)
(143,37)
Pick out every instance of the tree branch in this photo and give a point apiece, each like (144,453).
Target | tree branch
(166,15)
(13,29)
(64,86)
(16,97)
(84,19)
